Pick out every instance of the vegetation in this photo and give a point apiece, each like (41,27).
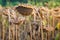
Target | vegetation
(39,20)
(51,3)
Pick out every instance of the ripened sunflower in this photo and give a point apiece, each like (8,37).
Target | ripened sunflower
(23,10)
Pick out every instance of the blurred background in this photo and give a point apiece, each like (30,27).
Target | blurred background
(51,3)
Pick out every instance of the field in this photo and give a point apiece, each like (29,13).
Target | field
(40,24)
(39,21)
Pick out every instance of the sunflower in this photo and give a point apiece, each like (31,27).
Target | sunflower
(58,26)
